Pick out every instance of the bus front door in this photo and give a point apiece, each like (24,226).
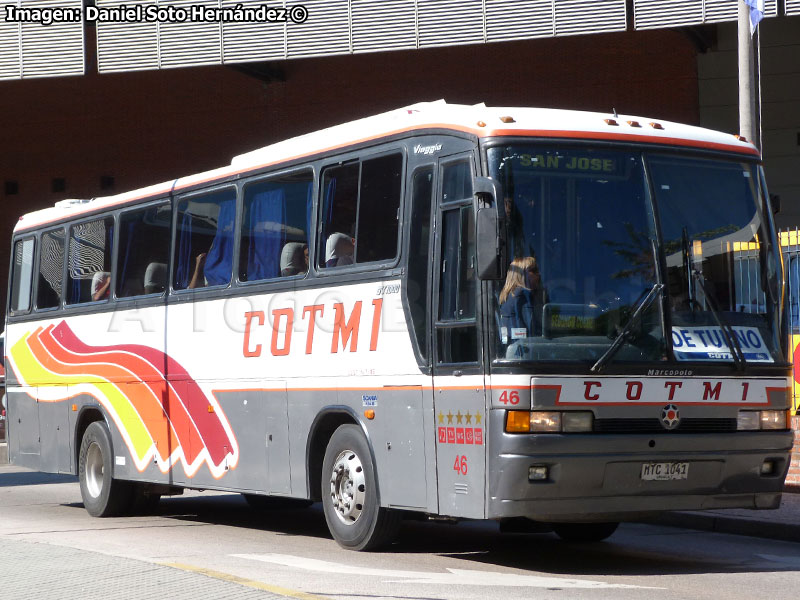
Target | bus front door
(459,393)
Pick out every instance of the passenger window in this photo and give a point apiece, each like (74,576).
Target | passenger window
(51,269)
(22,276)
(339,212)
(89,267)
(360,214)
(144,236)
(204,240)
(277,219)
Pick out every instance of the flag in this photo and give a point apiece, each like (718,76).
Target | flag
(756,13)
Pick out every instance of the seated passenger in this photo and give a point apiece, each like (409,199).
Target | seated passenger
(339,250)
(521,301)
(101,285)
(294,259)
(155,278)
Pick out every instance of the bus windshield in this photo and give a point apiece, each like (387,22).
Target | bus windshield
(584,258)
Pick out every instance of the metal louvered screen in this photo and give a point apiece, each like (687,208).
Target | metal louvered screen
(247,42)
(728,10)
(29,49)
(10,63)
(386,25)
(190,44)
(589,16)
(450,22)
(792,7)
(515,20)
(326,32)
(651,14)
(126,46)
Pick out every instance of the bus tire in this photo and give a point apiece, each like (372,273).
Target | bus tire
(584,532)
(103,496)
(350,494)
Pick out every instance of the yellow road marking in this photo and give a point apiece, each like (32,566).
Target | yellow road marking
(246,582)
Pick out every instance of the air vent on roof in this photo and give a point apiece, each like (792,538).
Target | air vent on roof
(70,202)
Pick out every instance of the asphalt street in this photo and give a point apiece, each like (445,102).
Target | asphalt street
(212,545)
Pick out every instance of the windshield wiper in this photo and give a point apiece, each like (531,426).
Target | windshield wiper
(727,331)
(640,306)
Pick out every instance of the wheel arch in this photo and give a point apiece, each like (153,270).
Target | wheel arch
(328,420)
(87,415)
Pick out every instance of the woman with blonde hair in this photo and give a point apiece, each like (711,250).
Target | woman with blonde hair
(521,300)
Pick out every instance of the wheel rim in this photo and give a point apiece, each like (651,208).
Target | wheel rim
(348,487)
(94,470)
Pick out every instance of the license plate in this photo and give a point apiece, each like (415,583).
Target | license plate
(666,471)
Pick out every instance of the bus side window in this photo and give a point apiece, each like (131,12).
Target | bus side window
(277,215)
(143,251)
(204,244)
(22,276)
(360,214)
(89,268)
(51,269)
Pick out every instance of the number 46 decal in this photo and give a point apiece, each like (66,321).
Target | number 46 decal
(460,466)
(509,397)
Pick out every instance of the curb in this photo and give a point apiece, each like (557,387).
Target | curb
(774,530)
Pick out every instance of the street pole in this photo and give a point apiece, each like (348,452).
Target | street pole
(748,121)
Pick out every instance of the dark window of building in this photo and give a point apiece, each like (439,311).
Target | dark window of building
(58,185)
(12,188)
(106,182)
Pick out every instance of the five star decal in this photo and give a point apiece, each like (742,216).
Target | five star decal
(460,435)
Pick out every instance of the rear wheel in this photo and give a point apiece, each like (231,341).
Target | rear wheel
(103,496)
(350,494)
(584,532)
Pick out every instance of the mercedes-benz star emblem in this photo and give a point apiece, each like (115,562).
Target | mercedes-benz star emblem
(670,417)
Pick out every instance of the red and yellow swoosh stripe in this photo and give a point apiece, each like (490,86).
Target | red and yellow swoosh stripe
(160,410)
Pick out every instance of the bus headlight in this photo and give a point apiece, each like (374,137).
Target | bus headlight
(577,422)
(539,421)
(545,421)
(754,420)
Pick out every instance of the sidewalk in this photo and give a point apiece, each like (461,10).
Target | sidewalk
(780,524)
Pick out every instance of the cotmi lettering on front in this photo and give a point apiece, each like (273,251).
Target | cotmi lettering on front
(654,390)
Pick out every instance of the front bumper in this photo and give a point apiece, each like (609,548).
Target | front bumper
(597,477)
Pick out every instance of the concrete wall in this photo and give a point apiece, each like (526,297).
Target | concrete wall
(780,92)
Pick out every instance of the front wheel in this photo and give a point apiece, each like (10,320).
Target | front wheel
(350,495)
(584,532)
(103,496)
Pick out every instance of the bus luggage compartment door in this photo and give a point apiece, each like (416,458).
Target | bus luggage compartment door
(22,427)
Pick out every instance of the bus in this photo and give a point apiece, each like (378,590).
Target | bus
(525,315)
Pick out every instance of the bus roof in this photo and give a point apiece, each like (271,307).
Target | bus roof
(478,120)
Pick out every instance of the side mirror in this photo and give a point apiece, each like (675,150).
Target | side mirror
(491,230)
(775,200)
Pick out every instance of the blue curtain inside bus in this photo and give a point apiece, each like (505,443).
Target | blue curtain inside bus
(219,262)
(267,214)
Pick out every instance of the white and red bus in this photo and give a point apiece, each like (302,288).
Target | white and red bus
(462,311)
